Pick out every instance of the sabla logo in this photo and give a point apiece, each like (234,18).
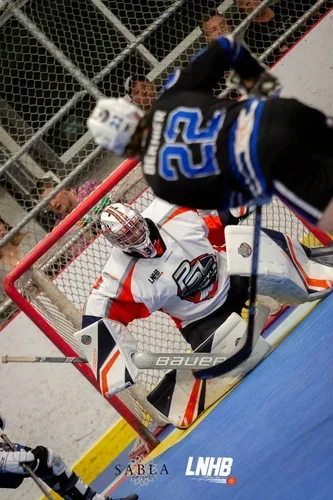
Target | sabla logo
(215,469)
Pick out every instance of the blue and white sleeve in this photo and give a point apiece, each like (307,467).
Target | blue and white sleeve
(210,64)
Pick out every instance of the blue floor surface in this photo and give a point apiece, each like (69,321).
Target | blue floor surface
(277,425)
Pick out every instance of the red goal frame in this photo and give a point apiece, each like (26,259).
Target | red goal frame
(27,262)
(48,330)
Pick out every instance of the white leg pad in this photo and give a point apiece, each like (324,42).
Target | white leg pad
(182,398)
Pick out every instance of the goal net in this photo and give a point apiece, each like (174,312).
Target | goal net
(52,283)
(58,58)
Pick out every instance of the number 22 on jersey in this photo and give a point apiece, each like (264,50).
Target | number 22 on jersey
(177,156)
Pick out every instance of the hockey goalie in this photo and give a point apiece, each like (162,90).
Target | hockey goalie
(166,259)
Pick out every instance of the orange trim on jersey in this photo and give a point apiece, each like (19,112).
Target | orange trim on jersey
(312,282)
(178,211)
(159,249)
(220,248)
(98,283)
(105,370)
(213,223)
(216,230)
(123,308)
(190,409)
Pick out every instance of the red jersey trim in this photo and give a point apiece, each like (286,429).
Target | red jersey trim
(124,308)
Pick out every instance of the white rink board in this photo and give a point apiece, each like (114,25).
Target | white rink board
(54,405)
(306,71)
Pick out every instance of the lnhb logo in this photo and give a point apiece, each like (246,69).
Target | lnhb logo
(213,469)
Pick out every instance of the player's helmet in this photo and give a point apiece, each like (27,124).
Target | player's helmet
(127,229)
(113,123)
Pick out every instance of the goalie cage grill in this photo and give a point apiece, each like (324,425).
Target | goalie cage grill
(52,282)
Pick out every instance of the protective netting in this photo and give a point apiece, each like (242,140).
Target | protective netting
(73,264)
(57,58)
(58,282)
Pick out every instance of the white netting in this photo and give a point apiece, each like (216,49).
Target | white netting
(73,265)
(57,58)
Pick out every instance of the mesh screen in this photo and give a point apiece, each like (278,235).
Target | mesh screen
(74,263)
(57,58)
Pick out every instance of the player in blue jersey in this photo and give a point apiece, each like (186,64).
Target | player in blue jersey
(48,466)
(203,152)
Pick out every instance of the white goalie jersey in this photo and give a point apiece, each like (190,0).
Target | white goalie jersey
(187,279)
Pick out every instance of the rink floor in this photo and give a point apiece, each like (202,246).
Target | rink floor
(277,426)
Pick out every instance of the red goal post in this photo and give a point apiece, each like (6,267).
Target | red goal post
(51,283)
(16,293)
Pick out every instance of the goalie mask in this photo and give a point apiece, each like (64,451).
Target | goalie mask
(127,229)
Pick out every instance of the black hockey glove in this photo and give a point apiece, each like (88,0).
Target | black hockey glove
(266,85)
(40,464)
(47,463)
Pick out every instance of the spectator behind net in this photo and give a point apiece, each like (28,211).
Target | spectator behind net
(214,25)
(269,25)
(141,91)
(11,253)
(67,199)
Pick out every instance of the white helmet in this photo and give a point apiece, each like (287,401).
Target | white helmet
(127,229)
(113,123)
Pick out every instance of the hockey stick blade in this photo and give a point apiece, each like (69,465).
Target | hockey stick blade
(228,365)
(181,361)
(245,352)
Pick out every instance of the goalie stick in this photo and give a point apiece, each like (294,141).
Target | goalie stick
(143,361)
(196,360)
(244,352)
(41,359)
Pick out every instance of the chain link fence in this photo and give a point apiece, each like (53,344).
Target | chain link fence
(57,58)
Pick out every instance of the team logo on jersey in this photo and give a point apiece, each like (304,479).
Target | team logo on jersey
(197,280)
(244,250)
